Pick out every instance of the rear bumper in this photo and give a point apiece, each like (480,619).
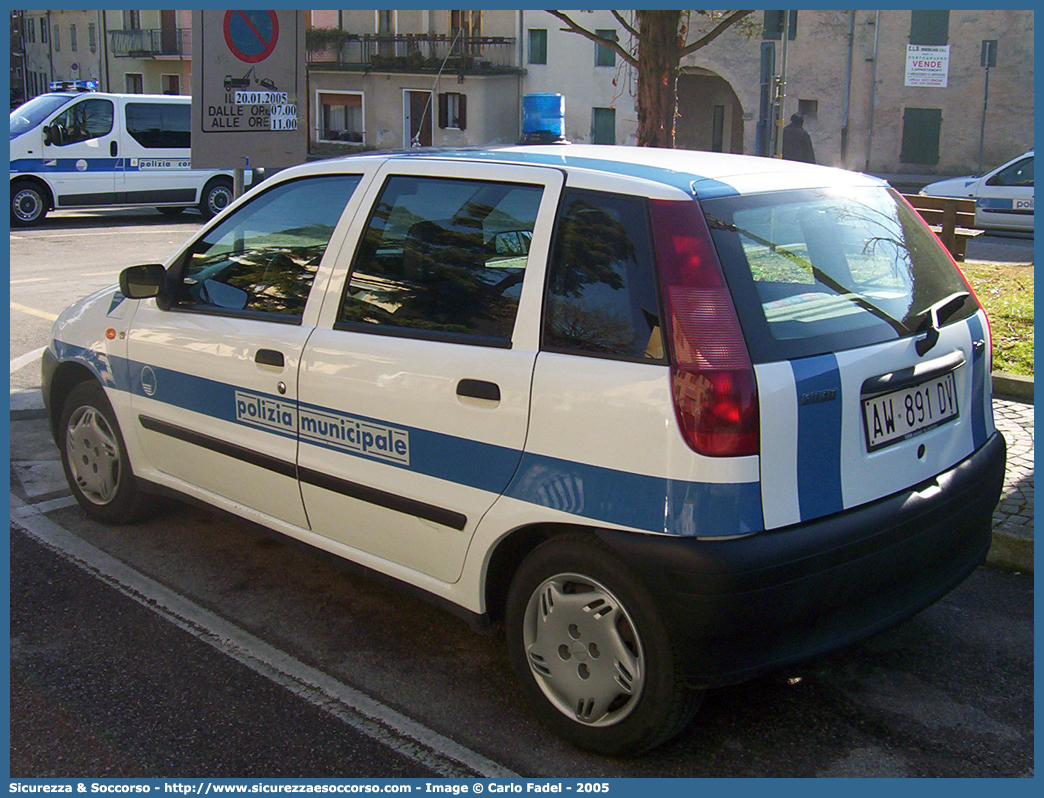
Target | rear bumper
(740,607)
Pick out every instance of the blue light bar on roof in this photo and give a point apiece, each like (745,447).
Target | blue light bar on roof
(543,119)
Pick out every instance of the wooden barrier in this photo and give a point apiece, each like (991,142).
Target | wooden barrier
(952,219)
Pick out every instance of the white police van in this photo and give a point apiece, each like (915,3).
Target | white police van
(674,418)
(83,149)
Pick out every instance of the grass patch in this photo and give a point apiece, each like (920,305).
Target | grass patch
(1006,292)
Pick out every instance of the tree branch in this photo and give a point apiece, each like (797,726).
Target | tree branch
(719,29)
(614,46)
(626,25)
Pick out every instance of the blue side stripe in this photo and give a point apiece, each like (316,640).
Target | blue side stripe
(637,500)
(819,437)
(644,502)
(978,408)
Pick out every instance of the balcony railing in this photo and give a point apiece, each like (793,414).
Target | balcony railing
(151,43)
(419,53)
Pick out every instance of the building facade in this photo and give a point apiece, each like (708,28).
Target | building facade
(888,91)
(138,52)
(854,76)
(391,79)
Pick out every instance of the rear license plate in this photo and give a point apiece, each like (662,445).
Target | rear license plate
(899,415)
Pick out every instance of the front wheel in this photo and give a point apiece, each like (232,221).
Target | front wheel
(94,457)
(217,195)
(586,640)
(28,204)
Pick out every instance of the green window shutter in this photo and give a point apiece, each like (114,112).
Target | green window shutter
(537,45)
(921,135)
(603,55)
(930,27)
(603,126)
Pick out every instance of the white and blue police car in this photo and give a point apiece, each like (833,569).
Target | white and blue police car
(674,418)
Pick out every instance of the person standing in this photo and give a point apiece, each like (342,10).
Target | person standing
(797,144)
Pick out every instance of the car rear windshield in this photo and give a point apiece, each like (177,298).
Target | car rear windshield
(815,271)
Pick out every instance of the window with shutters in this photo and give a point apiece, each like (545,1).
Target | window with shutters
(921,128)
(930,27)
(603,126)
(453,110)
(604,56)
(341,117)
(538,45)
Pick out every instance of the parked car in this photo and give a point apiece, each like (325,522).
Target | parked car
(77,148)
(674,418)
(1003,196)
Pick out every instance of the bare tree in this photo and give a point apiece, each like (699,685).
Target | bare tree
(662,41)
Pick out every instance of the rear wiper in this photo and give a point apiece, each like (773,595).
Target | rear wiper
(819,274)
(935,315)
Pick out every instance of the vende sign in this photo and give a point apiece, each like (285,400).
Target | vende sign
(927,66)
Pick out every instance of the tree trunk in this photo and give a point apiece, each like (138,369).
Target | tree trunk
(658,66)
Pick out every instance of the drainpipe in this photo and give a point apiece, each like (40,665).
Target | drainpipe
(50,50)
(848,88)
(521,62)
(873,91)
(104,44)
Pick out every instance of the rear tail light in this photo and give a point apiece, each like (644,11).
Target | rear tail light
(715,392)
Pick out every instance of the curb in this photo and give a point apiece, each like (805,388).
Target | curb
(1013,386)
(1012,549)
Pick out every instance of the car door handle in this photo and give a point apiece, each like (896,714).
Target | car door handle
(112,149)
(479,389)
(269,357)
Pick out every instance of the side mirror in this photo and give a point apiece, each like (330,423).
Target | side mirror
(50,135)
(143,282)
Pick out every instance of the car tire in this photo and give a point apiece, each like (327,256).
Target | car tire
(29,204)
(587,642)
(217,195)
(171,210)
(95,459)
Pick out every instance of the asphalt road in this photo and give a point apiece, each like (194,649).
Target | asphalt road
(194,644)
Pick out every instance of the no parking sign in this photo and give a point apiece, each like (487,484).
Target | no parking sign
(248,97)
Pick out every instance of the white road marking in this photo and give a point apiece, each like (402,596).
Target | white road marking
(369,716)
(78,234)
(108,273)
(22,361)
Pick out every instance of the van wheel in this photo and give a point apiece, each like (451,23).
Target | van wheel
(595,660)
(29,204)
(217,195)
(94,457)
(171,211)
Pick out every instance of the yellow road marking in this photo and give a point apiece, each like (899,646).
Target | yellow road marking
(30,280)
(108,273)
(40,314)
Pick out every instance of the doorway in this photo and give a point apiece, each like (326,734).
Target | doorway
(417,118)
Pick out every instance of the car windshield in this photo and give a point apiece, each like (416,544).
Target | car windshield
(819,270)
(28,115)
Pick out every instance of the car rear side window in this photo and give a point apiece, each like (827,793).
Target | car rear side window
(442,258)
(159,125)
(816,271)
(262,259)
(601,289)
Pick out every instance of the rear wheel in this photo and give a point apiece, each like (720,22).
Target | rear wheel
(94,457)
(217,195)
(29,204)
(595,660)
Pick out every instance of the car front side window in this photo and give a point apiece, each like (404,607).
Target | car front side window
(1018,174)
(87,120)
(263,258)
(443,258)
